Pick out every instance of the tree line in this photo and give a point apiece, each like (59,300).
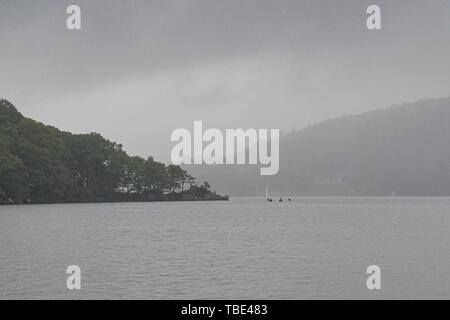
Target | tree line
(41,164)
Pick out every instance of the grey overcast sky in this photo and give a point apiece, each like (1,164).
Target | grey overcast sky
(140,69)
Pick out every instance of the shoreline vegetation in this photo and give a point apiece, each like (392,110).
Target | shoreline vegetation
(41,164)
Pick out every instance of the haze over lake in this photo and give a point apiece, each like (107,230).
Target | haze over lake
(316,247)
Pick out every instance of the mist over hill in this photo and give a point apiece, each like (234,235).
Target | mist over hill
(402,150)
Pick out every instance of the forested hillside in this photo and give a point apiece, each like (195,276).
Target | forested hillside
(40,164)
(400,150)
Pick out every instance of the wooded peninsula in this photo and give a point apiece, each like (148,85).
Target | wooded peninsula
(41,164)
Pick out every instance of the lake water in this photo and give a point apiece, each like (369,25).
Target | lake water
(314,248)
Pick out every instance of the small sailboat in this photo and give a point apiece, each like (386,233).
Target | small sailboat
(268,197)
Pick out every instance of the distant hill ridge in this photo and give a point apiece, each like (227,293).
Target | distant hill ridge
(400,150)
